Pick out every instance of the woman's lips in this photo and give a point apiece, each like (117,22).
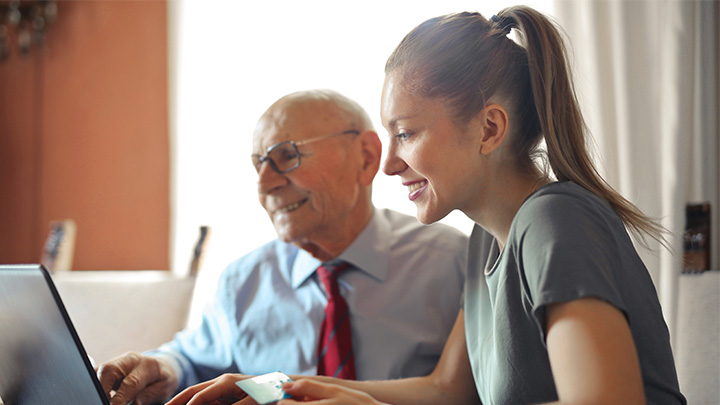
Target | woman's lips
(415,188)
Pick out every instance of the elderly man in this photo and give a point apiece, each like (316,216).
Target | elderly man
(346,290)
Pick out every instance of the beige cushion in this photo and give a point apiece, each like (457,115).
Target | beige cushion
(697,349)
(115,312)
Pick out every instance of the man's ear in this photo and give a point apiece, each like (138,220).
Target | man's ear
(371,153)
(494,127)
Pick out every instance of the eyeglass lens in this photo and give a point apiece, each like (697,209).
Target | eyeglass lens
(283,157)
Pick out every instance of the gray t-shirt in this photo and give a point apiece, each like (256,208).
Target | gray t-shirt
(564,243)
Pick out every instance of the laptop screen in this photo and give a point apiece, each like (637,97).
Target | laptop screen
(41,358)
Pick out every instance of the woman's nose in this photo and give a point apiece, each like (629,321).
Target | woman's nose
(393,164)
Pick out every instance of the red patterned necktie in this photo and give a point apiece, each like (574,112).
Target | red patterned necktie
(335,354)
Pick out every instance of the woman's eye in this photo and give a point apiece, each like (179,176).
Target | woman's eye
(403,136)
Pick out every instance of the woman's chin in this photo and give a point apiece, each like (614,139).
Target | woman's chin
(428,217)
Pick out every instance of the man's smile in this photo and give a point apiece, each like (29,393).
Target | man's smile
(290,207)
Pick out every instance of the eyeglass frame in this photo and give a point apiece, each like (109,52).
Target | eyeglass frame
(273,165)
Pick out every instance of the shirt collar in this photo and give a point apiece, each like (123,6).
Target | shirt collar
(369,252)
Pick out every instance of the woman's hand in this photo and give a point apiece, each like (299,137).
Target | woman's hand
(308,392)
(221,390)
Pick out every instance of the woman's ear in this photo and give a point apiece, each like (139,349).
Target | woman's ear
(371,153)
(494,127)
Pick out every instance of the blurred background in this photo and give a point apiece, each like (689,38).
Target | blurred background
(134,119)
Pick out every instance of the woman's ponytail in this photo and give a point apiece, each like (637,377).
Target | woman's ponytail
(465,59)
(560,119)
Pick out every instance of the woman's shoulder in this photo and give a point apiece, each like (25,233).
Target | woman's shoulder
(564,197)
(564,209)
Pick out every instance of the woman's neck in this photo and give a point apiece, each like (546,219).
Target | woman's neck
(502,201)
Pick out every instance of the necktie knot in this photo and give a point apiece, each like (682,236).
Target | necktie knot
(328,275)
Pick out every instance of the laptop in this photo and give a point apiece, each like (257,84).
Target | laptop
(42,360)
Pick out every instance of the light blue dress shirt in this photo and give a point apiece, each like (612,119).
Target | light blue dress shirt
(404,294)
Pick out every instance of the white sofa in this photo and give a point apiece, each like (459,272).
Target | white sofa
(119,311)
(697,346)
(115,312)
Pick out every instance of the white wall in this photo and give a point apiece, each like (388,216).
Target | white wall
(231,59)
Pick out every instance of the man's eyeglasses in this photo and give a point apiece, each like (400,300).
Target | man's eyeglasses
(285,157)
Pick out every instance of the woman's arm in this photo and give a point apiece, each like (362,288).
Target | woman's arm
(450,383)
(592,354)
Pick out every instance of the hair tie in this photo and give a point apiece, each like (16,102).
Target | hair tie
(504,24)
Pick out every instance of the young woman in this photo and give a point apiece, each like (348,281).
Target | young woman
(558,305)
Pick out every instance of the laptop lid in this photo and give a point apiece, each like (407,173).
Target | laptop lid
(41,358)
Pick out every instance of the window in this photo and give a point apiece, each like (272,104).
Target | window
(230,60)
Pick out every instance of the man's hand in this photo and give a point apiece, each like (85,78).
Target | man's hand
(137,378)
(221,390)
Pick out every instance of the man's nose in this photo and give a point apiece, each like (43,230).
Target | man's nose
(269,179)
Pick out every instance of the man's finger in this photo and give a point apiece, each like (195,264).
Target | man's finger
(146,372)
(110,377)
(131,385)
(152,394)
(112,373)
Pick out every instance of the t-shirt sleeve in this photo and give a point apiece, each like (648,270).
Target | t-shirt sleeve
(567,250)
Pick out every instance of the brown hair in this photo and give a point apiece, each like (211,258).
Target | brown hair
(466,59)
